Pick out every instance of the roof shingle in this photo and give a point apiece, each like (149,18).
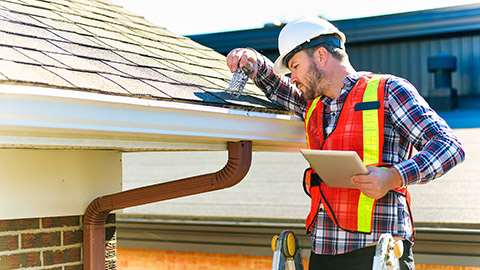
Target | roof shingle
(94,45)
(31,74)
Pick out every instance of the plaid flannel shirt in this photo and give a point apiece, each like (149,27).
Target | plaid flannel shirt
(409,121)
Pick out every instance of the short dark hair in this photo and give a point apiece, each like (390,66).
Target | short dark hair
(336,52)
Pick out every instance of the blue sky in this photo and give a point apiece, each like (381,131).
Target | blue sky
(206,16)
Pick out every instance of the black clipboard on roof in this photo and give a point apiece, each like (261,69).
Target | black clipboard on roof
(335,168)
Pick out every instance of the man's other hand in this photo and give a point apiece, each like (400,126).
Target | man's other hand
(378,181)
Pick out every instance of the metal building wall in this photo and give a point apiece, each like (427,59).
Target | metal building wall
(408,59)
(399,44)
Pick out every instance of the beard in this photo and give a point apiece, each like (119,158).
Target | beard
(313,82)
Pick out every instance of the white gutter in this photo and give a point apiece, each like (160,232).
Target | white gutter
(40,117)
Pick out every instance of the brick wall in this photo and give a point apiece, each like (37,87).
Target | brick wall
(143,259)
(54,243)
(110,244)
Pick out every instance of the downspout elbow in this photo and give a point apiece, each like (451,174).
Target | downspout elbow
(238,164)
(237,167)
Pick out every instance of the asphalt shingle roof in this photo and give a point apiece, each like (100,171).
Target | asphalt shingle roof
(97,46)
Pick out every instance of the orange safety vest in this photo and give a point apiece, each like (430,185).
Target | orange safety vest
(360,128)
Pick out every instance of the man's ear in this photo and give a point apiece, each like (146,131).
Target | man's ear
(321,55)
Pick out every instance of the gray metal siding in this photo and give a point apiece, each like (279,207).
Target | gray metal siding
(408,59)
(398,44)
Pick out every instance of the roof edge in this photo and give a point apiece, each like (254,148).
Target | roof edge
(41,117)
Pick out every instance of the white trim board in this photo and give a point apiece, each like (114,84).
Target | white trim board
(39,117)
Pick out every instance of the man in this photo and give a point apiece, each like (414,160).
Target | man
(381,117)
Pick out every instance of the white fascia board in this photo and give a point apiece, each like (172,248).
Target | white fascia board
(40,117)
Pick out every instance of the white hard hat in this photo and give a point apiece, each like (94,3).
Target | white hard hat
(296,33)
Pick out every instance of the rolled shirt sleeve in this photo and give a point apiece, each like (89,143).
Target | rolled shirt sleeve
(438,146)
(278,88)
(416,123)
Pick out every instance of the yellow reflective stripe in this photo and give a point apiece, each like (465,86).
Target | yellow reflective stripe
(307,118)
(365,207)
(371,152)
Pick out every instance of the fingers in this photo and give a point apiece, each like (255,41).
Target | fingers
(370,184)
(232,60)
(377,182)
(368,187)
(363,179)
(238,58)
(370,190)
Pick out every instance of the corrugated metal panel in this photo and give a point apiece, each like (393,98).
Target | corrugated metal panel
(399,44)
(408,59)
(441,21)
(260,39)
(451,20)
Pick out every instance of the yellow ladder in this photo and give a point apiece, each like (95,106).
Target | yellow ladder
(286,252)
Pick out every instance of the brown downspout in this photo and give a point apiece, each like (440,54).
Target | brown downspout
(239,160)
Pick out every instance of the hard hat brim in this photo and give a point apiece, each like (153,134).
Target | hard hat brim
(279,67)
(297,35)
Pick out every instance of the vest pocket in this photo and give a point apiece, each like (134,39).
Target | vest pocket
(369,105)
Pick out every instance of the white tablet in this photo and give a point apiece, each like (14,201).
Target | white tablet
(335,168)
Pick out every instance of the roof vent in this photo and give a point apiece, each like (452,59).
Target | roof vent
(443,96)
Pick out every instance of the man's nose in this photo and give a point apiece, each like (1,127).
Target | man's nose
(293,78)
